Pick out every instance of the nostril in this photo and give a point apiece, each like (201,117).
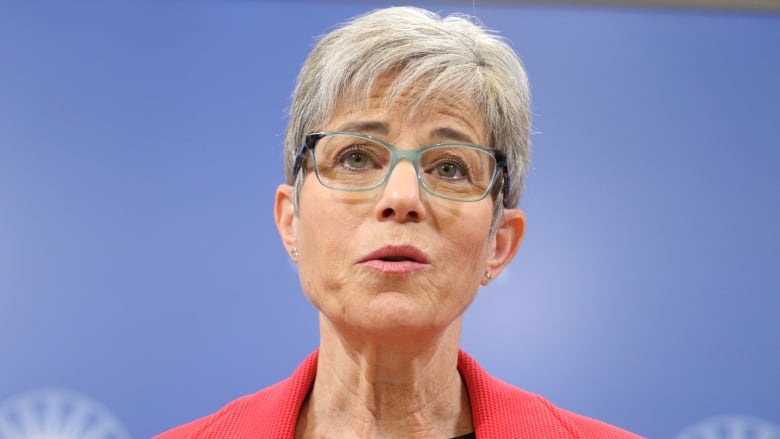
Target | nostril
(389,212)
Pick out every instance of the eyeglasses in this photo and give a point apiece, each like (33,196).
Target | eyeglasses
(355,162)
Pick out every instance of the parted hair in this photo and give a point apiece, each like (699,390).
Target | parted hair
(454,57)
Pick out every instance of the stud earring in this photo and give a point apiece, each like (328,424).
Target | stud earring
(294,252)
(488,276)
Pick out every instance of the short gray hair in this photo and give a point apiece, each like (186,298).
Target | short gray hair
(452,56)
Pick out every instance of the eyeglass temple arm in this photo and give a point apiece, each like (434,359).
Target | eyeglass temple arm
(308,142)
(501,161)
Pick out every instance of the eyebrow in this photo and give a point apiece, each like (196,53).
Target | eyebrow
(451,134)
(367,126)
(381,128)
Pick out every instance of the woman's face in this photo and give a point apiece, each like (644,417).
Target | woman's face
(396,258)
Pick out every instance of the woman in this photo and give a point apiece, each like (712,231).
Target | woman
(405,156)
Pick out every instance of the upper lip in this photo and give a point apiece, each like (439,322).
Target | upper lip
(398,252)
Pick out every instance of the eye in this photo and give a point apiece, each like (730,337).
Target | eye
(355,159)
(449,170)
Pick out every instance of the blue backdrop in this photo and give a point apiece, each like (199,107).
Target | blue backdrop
(140,147)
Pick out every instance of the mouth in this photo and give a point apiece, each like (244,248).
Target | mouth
(398,253)
(396,259)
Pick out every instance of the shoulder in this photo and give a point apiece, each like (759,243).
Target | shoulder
(500,410)
(271,412)
(232,418)
(587,427)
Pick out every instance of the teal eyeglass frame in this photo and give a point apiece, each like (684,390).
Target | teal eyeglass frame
(310,142)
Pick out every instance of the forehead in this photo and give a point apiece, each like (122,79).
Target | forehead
(400,107)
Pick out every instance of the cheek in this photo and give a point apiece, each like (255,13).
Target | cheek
(326,240)
(328,230)
(470,236)
(460,279)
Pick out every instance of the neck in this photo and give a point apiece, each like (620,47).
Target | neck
(386,388)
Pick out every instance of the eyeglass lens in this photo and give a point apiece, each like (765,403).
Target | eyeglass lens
(355,163)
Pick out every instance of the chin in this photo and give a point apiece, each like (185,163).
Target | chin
(397,317)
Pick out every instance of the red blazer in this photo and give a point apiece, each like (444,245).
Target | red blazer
(499,411)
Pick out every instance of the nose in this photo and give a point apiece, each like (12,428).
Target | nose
(400,199)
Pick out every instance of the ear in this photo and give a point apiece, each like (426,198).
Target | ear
(508,237)
(284,216)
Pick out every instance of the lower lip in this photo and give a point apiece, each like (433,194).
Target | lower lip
(394,267)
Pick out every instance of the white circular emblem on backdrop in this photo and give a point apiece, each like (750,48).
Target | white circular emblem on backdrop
(57,414)
(731,427)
